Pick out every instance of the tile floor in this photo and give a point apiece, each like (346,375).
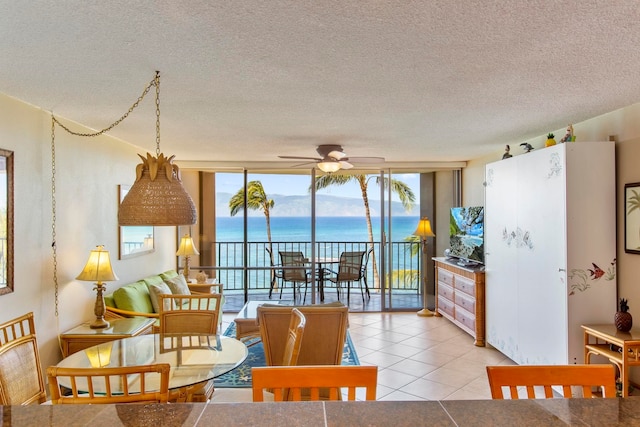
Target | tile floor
(420,358)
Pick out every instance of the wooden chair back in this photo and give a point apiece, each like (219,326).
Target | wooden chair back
(294,338)
(132,384)
(198,314)
(288,339)
(546,377)
(21,380)
(325,333)
(288,383)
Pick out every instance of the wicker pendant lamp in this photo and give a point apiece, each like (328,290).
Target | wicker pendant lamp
(157,197)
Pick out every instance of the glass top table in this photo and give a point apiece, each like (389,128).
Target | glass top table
(193,358)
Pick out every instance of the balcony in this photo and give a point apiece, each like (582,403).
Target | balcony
(400,288)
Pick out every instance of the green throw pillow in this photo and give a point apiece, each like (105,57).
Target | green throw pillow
(169,274)
(133,297)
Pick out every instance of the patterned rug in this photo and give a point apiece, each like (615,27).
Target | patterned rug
(241,376)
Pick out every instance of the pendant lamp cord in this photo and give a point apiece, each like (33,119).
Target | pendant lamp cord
(54,121)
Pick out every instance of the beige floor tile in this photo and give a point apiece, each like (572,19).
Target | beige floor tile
(429,390)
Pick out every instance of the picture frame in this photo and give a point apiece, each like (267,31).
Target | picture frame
(134,240)
(6,222)
(632,218)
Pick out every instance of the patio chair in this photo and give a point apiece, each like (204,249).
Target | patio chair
(547,376)
(276,273)
(294,271)
(291,382)
(351,269)
(93,385)
(21,380)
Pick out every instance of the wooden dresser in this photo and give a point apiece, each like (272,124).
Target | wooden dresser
(461,297)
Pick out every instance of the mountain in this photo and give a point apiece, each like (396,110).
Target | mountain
(325,206)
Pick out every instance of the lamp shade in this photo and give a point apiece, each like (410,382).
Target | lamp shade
(329,166)
(424,228)
(157,197)
(98,267)
(99,355)
(187,247)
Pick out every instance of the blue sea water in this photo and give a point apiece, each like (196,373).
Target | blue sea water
(298,229)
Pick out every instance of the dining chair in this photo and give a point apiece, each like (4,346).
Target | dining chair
(145,383)
(548,377)
(325,332)
(21,380)
(350,270)
(276,272)
(196,313)
(289,382)
(294,334)
(294,271)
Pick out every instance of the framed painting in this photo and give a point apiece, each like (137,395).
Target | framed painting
(133,240)
(6,221)
(632,218)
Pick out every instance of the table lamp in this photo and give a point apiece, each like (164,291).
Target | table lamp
(423,231)
(186,249)
(98,269)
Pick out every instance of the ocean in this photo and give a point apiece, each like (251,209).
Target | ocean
(298,229)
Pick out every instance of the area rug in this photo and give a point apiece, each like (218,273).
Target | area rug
(241,376)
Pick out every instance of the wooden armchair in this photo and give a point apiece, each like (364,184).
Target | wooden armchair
(128,384)
(324,336)
(21,380)
(547,376)
(199,313)
(288,382)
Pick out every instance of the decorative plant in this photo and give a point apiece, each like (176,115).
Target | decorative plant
(550,140)
(623,319)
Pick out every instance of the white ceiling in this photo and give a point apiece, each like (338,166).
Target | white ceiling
(246,81)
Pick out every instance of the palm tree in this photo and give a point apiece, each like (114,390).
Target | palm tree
(257,199)
(398,187)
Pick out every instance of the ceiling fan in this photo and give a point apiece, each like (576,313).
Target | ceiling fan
(333,158)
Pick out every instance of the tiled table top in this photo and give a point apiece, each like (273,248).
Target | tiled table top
(551,412)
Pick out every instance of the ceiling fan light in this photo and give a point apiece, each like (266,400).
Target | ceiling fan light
(329,166)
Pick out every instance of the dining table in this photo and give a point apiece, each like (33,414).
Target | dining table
(194,359)
(322,264)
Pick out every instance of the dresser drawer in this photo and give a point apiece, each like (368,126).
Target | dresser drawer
(466,318)
(445,276)
(465,285)
(446,306)
(445,291)
(466,302)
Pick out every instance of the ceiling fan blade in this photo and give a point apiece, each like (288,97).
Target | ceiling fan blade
(338,155)
(300,158)
(303,164)
(365,159)
(345,165)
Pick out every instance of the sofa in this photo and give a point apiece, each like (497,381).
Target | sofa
(140,298)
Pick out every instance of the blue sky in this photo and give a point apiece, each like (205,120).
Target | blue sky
(299,185)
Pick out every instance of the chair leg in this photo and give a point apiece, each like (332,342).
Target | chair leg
(366,286)
(273,284)
(361,291)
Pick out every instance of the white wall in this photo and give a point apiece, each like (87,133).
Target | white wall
(88,171)
(624,125)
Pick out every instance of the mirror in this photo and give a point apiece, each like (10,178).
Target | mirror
(6,221)
(133,240)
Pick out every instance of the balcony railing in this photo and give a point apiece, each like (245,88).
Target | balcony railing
(230,263)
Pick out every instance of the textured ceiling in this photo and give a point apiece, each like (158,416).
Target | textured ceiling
(246,81)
